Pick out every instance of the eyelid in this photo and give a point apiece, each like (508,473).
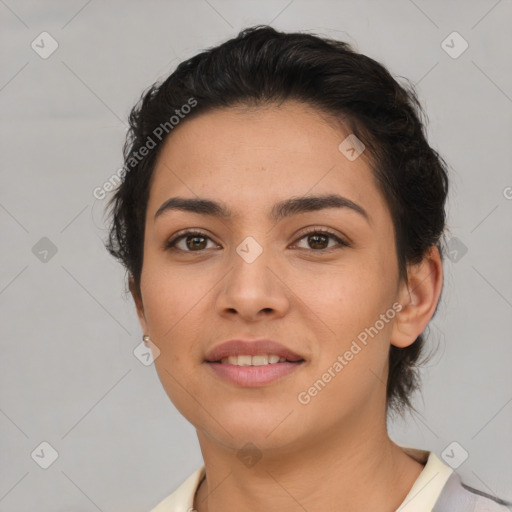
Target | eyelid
(341,240)
(171,242)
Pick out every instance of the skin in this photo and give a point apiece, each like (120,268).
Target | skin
(312,301)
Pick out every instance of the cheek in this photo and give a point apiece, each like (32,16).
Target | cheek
(173,298)
(181,387)
(174,315)
(174,325)
(347,304)
(345,298)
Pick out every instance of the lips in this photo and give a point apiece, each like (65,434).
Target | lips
(251,348)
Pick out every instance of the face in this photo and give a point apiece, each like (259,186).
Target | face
(321,281)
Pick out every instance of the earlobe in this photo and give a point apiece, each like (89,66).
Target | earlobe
(418,298)
(139,306)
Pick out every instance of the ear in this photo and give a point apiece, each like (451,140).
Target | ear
(418,299)
(139,306)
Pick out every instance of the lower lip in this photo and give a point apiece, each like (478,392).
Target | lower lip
(252,376)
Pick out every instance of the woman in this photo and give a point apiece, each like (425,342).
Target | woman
(281,218)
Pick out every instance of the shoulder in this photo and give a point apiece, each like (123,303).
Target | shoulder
(459,497)
(440,489)
(182,499)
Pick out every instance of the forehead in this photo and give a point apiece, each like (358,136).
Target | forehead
(251,156)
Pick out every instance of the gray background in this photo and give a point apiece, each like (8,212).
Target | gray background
(68,374)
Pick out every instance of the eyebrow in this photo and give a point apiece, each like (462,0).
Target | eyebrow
(279,211)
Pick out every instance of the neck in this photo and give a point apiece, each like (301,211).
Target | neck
(353,471)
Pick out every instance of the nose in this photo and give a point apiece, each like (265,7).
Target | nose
(253,289)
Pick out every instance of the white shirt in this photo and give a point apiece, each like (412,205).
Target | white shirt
(437,489)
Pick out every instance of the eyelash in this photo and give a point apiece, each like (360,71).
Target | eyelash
(170,244)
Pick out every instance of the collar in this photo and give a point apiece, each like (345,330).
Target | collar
(422,496)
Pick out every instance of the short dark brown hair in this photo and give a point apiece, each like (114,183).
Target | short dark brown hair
(264,66)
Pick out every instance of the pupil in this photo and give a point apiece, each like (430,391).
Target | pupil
(191,246)
(317,237)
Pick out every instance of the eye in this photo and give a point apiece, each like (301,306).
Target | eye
(196,241)
(193,240)
(318,238)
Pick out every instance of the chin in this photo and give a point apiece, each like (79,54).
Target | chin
(236,428)
(251,441)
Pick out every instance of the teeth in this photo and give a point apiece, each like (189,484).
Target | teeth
(259,360)
(244,360)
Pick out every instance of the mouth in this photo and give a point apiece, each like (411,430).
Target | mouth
(251,353)
(252,363)
(251,376)
(257,360)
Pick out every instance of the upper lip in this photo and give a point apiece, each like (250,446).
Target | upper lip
(251,348)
